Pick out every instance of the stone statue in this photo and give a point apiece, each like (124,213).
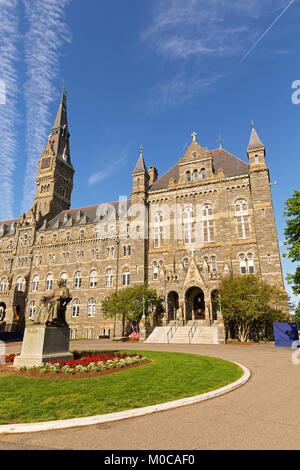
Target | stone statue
(52,310)
(2,311)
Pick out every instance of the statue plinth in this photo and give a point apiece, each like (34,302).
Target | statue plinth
(42,344)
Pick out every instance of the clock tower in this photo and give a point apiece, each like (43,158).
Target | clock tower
(55,171)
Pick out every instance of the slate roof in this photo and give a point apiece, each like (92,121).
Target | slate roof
(84,215)
(255,142)
(231,165)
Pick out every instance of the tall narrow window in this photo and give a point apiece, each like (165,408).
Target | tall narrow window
(126,279)
(3,284)
(91,307)
(109,277)
(155,271)
(77,280)
(242,219)
(188,177)
(32,309)
(49,282)
(75,308)
(208,224)
(188,226)
(243,264)
(195,175)
(93,279)
(213,263)
(203,173)
(250,263)
(158,229)
(35,283)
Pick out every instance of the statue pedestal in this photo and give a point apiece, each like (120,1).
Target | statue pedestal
(43,343)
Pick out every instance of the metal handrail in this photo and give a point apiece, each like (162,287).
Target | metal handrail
(171,333)
(192,332)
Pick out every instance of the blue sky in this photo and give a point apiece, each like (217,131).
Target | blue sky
(146,72)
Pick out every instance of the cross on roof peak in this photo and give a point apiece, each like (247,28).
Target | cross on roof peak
(194,135)
(220,142)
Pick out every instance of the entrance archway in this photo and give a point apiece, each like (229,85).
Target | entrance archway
(195,304)
(173,305)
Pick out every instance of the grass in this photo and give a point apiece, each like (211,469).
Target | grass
(170,376)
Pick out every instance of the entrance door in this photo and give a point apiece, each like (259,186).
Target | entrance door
(195,305)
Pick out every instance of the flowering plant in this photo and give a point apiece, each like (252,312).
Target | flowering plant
(135,335)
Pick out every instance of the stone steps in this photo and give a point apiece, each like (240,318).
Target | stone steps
(202,335)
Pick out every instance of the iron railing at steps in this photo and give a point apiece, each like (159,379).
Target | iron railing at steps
(192,332)
(172,331)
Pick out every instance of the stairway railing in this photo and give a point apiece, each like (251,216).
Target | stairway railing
(192,332)
(171,331)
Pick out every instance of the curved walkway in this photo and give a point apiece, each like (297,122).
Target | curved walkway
(263,414)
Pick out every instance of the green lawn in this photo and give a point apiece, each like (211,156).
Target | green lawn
(169,377)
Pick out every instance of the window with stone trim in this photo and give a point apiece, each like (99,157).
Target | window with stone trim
(91,307)
(109,277)
(208,226)
(3,284)
(188,226)
(125,279)
(155,271)
(77,280)
(93,279)
(75,308)
(158,229)
(32,308)
(49,282)
(242,219)
(35,283)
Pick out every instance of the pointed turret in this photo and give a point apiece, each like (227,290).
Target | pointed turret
(255,142)
(256,150)
(140,166)
(140,176)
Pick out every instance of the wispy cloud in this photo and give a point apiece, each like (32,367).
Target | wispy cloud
(47,34)
(112,168)
(8,105)
(206,36)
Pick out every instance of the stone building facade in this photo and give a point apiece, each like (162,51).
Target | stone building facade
(210,215)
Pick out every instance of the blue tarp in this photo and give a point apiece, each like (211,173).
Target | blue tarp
(285,334)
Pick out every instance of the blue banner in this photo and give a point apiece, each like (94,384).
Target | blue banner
(285,334)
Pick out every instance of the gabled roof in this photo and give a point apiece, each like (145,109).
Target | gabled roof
(231,165)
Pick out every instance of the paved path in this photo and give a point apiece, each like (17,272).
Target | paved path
(263,414)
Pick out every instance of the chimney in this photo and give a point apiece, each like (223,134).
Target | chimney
(153,175)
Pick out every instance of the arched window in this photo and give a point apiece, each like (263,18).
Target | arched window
(188,177)
(155,271)
(81,234)
(64,277)
(250,263)
(203,173)
(188,226)
(91,307)
(195,175)
(93,278)
(35,283)
(19,283)
(128,250)
(25,240)
(3,284)
(158,229)
(107,252)
(213,263)
(49,282)
(186,263)
(243,267)
(109,277)
(77,280)
(112,252)
(242,219)
(54,238)
(75,308)
(32,309)
(208,224)
(68,236)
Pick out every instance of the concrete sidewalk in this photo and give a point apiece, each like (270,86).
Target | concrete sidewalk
(263,414)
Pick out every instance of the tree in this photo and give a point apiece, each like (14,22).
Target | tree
(247,302)
(296,316)
(130,303)
(292,235)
